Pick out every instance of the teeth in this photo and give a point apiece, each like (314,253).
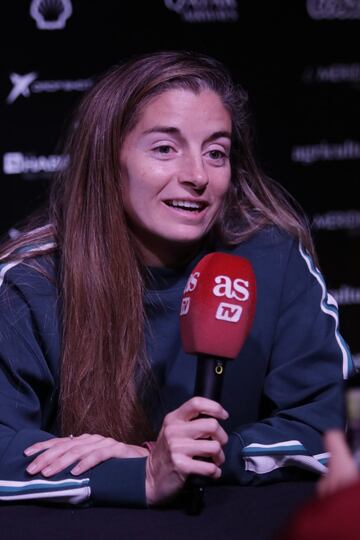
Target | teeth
(185,204)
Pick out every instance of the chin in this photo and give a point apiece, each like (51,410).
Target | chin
(186,237)
(185,240)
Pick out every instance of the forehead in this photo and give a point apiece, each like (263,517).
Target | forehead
(180,106)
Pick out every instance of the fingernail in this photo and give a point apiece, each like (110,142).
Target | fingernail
(75,470)
(225,414)
(29,451)
(31,468)
(47,471)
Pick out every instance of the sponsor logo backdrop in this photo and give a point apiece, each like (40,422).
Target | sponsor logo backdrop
(300,62)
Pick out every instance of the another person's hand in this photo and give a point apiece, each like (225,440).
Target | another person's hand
(182,437)
(86,451)
(342,469)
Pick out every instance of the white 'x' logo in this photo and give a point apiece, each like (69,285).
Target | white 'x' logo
(21,85)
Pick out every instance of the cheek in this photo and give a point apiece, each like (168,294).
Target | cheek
(222,185)
(135,184)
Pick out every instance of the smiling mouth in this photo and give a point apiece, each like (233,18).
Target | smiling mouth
(187,206)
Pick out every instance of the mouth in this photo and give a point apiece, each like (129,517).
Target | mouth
(186,206)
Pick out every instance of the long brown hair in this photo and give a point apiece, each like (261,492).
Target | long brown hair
(103,362)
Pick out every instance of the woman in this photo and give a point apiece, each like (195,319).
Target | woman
(160,173)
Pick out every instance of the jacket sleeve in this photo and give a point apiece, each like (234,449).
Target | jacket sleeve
(28,407)
(302,390)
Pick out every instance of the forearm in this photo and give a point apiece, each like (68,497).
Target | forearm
(274,454)
(117,482)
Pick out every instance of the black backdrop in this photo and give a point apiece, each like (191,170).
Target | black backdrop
(299,60)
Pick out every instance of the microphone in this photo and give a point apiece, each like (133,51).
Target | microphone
(217,311)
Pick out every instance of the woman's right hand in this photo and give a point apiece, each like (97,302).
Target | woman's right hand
(182,437)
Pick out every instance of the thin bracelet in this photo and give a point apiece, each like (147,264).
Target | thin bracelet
(149,445)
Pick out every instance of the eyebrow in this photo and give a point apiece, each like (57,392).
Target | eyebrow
(175,131)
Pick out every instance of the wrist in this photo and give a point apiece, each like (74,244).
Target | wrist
(149,484)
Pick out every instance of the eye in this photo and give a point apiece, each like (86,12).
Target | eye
(163,149)
(217,154)
(217,157)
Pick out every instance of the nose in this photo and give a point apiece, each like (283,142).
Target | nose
(193,172)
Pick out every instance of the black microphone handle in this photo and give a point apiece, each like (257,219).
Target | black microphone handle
(208,383)
(209,377)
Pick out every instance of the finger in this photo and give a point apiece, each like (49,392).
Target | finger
(42,445)
(201,428)
(196,406)
(52,451)
(93,458)
(186,466)
(49,443)
(212,450)
(201,449)
(102,453)
(65,454)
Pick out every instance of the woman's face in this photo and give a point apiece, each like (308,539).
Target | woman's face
(176,171)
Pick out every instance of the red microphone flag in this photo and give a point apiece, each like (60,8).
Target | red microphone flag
(218,306)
